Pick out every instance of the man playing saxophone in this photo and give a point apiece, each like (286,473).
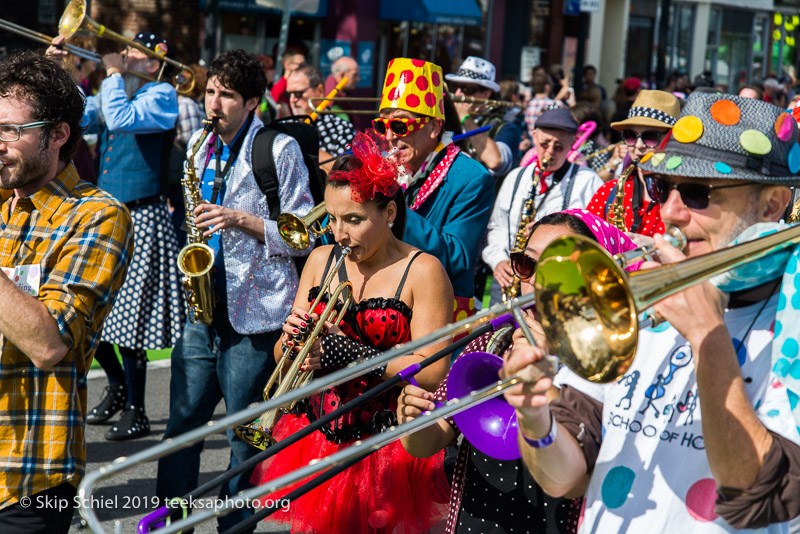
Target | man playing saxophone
(254,278)
(529,193)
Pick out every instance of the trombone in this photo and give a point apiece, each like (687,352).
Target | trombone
(295,230)
(582,323)
(75,18)
(313,101)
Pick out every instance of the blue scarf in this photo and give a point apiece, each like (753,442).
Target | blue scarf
(785,349)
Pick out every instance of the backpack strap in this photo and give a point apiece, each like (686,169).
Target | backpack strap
(264,170)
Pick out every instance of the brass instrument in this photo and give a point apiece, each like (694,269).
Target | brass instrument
(794,216)
(598,152)
(521,237)
(295,230)
(75,18)
(455,98)
(196,259)
(616,212)
(589,306)
(259,432)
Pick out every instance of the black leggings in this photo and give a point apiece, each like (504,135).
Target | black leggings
(134,375)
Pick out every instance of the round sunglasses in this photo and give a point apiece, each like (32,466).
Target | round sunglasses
(650,138)
(694,196)
(400,126)
(523,265)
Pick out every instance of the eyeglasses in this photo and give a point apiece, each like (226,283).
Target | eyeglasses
(12,132)
(297,94)
(695,196)
(467,90)
(400,127)
(650,138)
(523,265)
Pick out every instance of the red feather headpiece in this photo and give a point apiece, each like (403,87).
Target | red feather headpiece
(375,175)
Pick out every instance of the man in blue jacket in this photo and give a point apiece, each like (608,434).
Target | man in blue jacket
(449,195)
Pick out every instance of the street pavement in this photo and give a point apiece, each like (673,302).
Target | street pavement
(128,497)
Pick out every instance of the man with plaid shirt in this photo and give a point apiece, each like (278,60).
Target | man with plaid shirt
(65,246)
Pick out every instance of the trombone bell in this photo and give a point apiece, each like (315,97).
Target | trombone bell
(588,315)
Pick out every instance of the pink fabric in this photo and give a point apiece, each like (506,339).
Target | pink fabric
(610,237)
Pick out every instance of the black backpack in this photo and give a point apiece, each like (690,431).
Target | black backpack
(266,175)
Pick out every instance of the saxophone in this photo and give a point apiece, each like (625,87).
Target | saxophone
(196,259)
(527,215)
(616,213)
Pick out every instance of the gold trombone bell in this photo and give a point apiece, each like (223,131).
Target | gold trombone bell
(75,18)
(295,231)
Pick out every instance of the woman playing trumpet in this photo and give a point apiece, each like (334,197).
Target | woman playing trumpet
(389,491)
(489,495)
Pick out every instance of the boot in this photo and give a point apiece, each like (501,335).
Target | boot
(113,401)
(133,424)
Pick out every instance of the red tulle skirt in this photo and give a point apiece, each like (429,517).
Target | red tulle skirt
(389,491)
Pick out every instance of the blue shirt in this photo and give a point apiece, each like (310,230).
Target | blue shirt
(131,135)
(207,190)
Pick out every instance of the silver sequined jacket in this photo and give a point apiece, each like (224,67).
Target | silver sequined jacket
(261,277)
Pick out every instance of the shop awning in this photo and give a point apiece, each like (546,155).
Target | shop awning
(458,12)
(300,8)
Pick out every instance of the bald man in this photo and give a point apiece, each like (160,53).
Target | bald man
(344,66)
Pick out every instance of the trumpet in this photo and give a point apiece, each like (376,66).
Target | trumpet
(295,231)
(259,432)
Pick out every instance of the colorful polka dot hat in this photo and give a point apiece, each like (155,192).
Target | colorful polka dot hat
(413,85)
(730,137)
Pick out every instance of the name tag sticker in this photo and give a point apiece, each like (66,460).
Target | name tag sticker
(25,277)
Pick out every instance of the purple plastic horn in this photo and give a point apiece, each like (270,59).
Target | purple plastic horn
(492,425)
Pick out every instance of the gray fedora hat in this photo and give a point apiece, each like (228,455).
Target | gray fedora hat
(730,137)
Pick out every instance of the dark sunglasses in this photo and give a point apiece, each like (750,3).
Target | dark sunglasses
(467,90)
(694,196)
(650,138)
(400,127)
(297,94)
(523,265)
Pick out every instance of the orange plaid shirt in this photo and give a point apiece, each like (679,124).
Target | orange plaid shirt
(82,240)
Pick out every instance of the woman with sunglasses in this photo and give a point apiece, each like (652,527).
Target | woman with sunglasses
(400,294)
(489,495)
(649,121)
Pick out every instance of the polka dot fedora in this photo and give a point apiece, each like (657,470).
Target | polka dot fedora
(730,137)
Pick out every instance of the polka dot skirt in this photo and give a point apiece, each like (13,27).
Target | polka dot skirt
(149,309)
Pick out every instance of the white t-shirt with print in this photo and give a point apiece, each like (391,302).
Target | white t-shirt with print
(652,474)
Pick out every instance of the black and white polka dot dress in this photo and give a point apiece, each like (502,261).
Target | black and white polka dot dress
(149,310)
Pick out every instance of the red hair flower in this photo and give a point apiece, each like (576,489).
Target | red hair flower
(375,174)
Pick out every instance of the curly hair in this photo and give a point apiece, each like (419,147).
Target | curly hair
(49,91)
(240,71)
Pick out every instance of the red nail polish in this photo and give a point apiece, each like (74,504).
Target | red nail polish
(295,331)
(303,324)
(306,316)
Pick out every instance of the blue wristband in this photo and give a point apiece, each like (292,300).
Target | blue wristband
(545,441)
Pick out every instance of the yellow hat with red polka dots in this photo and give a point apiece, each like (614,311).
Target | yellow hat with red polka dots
(413,85)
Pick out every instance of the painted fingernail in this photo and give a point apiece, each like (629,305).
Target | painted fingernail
(295,331)
(306,316)
(303,324)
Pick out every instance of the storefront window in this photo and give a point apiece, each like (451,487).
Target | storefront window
(680,39)
(259,33)
(734,44)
